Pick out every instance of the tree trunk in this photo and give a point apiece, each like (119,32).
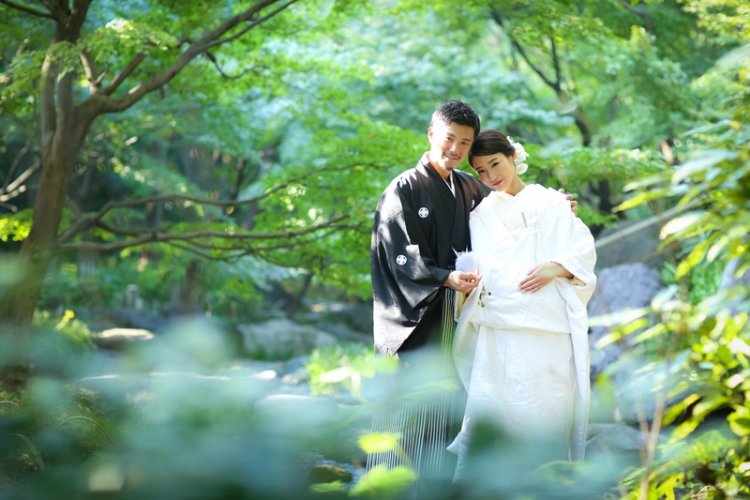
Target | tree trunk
(17,306)
(63,131)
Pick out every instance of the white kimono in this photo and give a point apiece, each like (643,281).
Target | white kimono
(523,357)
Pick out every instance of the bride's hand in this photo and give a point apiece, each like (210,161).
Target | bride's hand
(542,275)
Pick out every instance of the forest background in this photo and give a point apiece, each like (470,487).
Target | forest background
(224,159)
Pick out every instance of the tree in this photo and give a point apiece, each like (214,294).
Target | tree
(120,63)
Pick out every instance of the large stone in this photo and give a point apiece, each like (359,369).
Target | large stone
(347,321)
(282,339)
(628,286)
(612,437)
(120,338)
(629,242)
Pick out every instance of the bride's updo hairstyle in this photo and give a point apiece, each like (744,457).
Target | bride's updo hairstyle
(490,142)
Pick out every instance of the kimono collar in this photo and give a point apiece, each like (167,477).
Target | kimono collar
(450,182)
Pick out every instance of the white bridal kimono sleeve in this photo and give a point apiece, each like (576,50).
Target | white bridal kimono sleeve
(511,235)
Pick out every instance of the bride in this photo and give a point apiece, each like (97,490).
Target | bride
(521,345)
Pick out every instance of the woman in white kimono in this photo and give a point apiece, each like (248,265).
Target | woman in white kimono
(521,345)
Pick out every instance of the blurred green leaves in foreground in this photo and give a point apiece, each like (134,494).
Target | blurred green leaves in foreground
(690,349)
(180,416)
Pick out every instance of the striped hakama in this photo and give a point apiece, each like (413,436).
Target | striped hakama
(425,410)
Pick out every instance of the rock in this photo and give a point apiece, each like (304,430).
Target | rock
(282,339)
(618,288)
(328,473)
(348,321)
(118,339)
(730,280)
(628,242)
(613,435)
(136,318)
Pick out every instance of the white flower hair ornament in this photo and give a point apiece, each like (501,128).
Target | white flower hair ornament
(521,155)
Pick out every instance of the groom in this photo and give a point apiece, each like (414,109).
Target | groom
(421,221)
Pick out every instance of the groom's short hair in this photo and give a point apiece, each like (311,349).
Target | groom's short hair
(459,112)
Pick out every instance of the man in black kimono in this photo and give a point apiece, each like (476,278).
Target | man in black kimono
(421,223)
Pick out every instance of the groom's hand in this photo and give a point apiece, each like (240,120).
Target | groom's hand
(462,282)
(573,202)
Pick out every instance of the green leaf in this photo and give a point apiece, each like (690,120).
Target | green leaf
(379,442)
(739,423)
(701,162)
(332,487)
(681,223)
(381,482)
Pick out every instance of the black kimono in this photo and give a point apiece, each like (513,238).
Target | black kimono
(419,227)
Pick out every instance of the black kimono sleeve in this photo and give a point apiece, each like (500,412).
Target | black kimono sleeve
(406,278)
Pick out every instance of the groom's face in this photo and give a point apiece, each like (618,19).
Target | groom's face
(449,145)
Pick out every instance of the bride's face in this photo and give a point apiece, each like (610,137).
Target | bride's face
(495,171)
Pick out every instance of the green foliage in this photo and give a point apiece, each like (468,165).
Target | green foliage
(380,482)
(16,227)
(314,114)
(700,283)
(697,340)
(175,417)
(73,330)
(341,368)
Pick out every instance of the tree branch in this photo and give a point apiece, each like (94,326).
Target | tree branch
(28,10)
(90,70)
(86,223)
(645,17)
(47,100)
(221,71)
(165,237)
(16,162)
(98,104)
(65,103)
(517,45)
(9,207)
(16,187)
(132,65)
(556,63)
(208,256)
(221,41)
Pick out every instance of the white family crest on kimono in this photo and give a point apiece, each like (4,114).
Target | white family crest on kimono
(523,357)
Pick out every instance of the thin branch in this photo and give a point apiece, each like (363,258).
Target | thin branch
(221,71)
(132,65)
(647,22)
(157,237)
(208,256)
(13,194)
(90,70)
(9,207)
(499,20)
(17,183)
(90,221)
(28,10)
(16,162)
(556,62)
(222,41)
(47,99)
(98,104)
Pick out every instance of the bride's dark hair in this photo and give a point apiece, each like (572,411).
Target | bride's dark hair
(490,142)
